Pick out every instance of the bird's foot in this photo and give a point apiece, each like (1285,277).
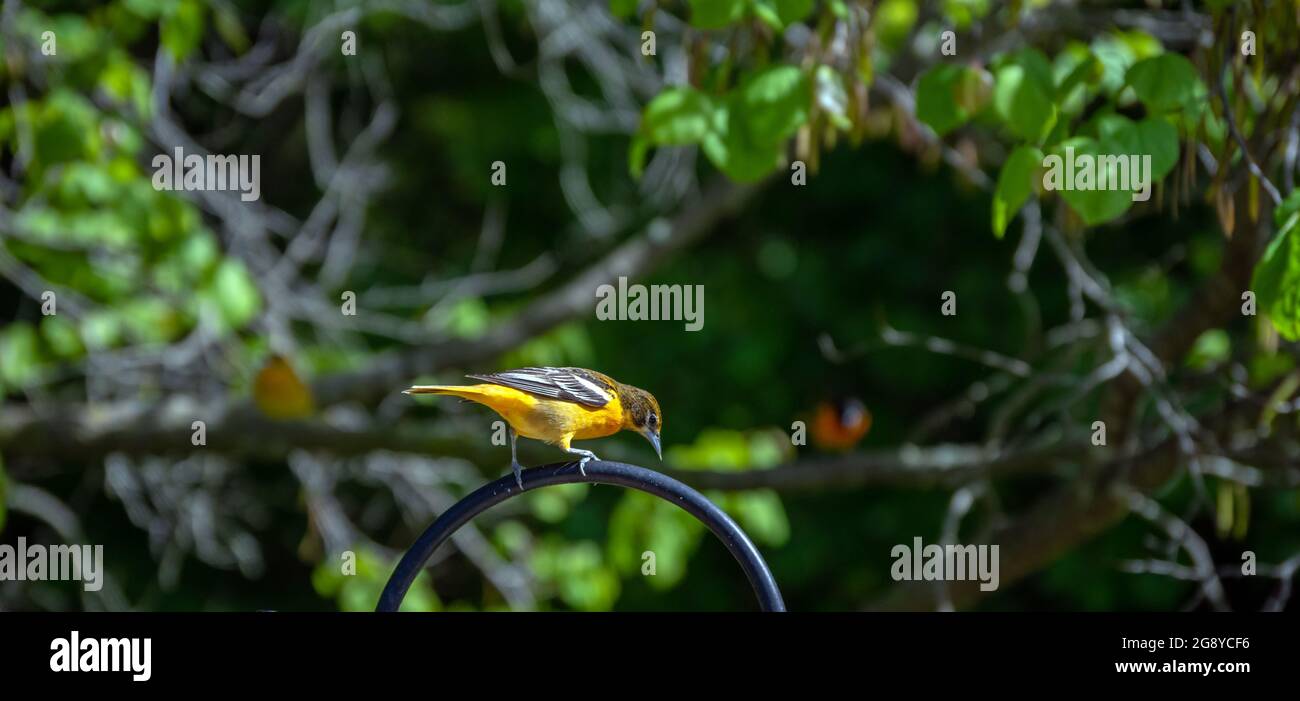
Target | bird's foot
(587,456)
(519,476)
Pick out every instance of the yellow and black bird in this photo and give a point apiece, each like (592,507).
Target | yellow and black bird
(559,405)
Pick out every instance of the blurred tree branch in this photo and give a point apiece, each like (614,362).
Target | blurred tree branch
(92,436)
(84,432)
(633,259)
(1078,511)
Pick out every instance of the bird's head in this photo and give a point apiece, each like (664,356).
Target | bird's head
(641,414)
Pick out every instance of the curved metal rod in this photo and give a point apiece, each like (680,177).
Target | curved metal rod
(598,471)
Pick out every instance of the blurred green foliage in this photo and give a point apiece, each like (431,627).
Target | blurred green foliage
(90,219)
(358,576)
(1277,278)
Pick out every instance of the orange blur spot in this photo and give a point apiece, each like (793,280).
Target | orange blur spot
(839,426)
(280,393)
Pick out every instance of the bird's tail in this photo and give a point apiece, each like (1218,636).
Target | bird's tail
(483,394)
(437,389)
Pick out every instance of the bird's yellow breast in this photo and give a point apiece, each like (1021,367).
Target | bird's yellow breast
(550,420)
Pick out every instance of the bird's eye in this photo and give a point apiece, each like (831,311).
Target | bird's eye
(653,420)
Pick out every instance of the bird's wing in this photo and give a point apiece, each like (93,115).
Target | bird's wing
(569,384)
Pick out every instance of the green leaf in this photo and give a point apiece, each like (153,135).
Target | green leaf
(231,30)
(761,514)
(1285,214)
(729,147)
(1165,82)
(1094,206)
(791,11)
(20,356)
(716,14)
(641,523)
(126,83)
(747,138)
(765,11)
(555,504)
(714,448)
(780,14)
(61,336)
(894,20)
(359,591)
(1023,96)
(773,103)
(148,319)
(1140,44)
(1212,348)
(622,9)
(936,98)
(235,294)
(961,13)
(1075,68)
(1276,281)
(468,318)
(85,184)
(182,28)
(1035,63)
(146,9)
(67,129)
(101,329)
(676,117)
(1015,185)
(1117,52)
(577,571)
(1152,136)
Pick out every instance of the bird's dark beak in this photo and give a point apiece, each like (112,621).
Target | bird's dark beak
(654,440)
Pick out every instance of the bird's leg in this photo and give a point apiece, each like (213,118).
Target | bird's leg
(514,461)
(586,455)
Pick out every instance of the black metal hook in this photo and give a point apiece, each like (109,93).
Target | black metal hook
(598,471)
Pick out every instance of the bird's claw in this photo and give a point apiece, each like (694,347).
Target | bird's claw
(519,476)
